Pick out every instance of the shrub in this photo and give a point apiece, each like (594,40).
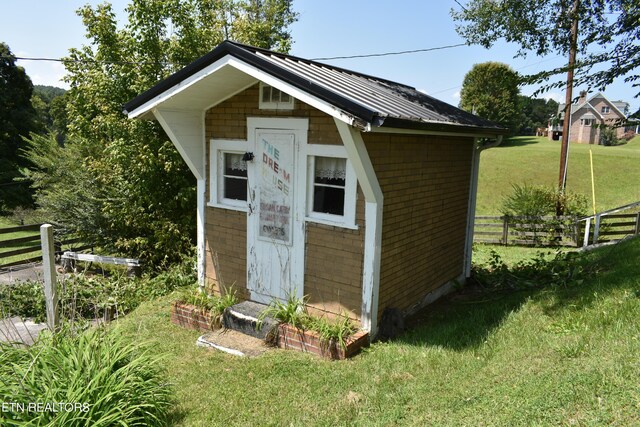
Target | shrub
(536,202)
(609,137)
(93,378)
(25,299)
(561,269)
(85,296)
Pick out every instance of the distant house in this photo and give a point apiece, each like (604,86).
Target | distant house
(355,191)
(587,118)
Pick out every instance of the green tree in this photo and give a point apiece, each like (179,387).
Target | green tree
(535,113)
(608,34)
(17,119)
(46,100)
(140,192)
(490,90)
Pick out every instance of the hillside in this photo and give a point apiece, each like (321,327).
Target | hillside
(535,160)
(553,356)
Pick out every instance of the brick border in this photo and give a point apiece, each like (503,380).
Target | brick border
(292,338)
(191,317)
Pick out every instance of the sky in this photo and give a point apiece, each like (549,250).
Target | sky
(325,28)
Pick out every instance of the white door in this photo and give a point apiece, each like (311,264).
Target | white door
(275,228)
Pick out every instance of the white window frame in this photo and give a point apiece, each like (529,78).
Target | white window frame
(605,109)
(348,220)
(268,105)
(216,180)
(586,122)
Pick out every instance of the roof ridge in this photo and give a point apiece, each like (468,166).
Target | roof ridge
(312,62)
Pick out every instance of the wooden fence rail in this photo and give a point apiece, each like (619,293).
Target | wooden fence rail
(31,245)
(554,231)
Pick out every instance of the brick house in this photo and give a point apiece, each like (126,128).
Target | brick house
(587,118)
(313,180)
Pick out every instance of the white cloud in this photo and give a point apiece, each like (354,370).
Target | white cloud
(456,95)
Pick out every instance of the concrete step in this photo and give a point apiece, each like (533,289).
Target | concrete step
(243,317)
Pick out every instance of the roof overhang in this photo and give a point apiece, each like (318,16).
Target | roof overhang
(231,68)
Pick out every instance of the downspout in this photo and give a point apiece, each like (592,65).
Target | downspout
(478,147)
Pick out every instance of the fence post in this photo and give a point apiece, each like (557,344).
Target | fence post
(596,230)
(587,231)
(49,271)
(505,230)
(638,223)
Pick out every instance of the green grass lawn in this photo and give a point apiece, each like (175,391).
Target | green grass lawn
(535,160)
(6,222)
(548,357)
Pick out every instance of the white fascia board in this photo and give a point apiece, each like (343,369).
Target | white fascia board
(359,158)
(298,94)
(153,103)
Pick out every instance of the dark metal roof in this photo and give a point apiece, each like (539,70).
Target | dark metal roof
(367,99)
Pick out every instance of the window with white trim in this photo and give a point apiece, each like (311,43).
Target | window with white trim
(234,176)
(329,181)
(586,122)
(228,174)
(274,99)
(331,186)
(605,109)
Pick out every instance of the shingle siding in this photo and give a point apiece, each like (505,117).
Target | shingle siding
(425,181)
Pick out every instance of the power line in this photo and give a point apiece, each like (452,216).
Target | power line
(23,58)
(403,52)
(370,55)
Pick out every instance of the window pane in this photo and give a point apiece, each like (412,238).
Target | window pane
(235,188)
(266,93)
(234,165)
(328,200)
(329,185)
(284,97)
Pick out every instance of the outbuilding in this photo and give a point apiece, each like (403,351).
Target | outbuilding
(354,191)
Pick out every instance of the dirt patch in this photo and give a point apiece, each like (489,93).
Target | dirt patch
(234,342)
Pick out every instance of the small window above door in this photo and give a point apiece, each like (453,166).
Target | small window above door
(274,99)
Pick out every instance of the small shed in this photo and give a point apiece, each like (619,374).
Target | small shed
(354,191)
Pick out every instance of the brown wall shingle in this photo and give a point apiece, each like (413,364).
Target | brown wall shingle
(425,181)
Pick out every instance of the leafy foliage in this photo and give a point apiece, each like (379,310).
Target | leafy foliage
(535,113)
(608,32)
(49,103)
(537,200)
(535,210)
(113,381)
(17,119)
(609,137)
(490,90)
(293,312)
(561,269)
(136,192)
(85,296)
(213,304)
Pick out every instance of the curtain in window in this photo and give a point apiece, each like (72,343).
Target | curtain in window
(234,162)
(330,168)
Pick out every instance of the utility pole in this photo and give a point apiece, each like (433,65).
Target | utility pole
(564,151)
